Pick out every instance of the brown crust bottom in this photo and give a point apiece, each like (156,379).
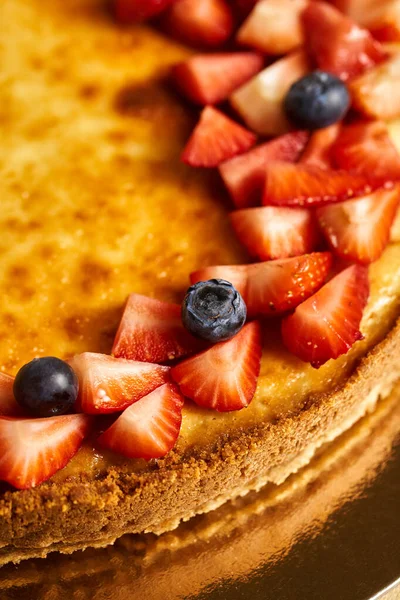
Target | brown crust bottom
(75,515)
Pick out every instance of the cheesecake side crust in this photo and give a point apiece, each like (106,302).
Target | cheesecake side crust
(76,515)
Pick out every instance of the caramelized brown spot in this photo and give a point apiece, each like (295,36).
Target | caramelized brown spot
(150,101)
(73,326)
(46,251)
(117,136)
(18,272)
(93,274)
(89,91)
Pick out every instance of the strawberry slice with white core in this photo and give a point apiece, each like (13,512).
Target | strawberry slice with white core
(131,11)
(359,230)
(328,324)
(319,148)
(224,377)
(307,185)
(384,21)
(199,23)
(337,44)
(377,92)
(274,26)
(9,407)
(32,450)
(149,428)
(381,17)
(235,274)
(244,175)
(151,331)
(108,384)
(260,101)
(211,78)
(366,149)
(274,287)
(215,139)
(395,230)
(276,231)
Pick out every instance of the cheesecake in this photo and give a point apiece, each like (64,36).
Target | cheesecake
(97,205)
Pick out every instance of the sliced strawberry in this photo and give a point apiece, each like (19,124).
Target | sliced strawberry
(108,384)
(274,287)
(242,8)
(244,175)
(306,185)
(328,324)
(152,331)
(359,229)
(225,376)
(395,230)
(274,26)
(377,92)
(8,405)
(319,148)
(204,23)
(32,450)
(384,21)
(366,149)
(337,44)
(260,101)
(215,139)
(130,11)
(211,78)
(275,232)
(149,428)
(236,274)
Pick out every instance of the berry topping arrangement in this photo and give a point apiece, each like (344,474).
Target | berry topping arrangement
(293,96)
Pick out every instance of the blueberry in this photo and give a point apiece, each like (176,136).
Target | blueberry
(46,387)
(317,100)
(213,310)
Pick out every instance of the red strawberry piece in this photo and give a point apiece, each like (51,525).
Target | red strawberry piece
(242,8)
(377,92)
(319,148)
(307,185)
(149,428)
(244,175)
(204,23)
(395,230)
(328,324)
(359,230)
(224,377)
(32,450)
(130,11)
(235,274)
(274,287)
(260,101)
(274,26)
(337,44)
(215,139)
(108,384)
(275,231)
(152,331)
(384,21)
(211,78)
(366,149)
(8,405)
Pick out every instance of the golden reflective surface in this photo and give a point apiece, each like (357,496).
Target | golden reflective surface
(332,531)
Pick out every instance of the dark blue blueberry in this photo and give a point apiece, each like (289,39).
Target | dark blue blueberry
(46,387)
(317,100)
(213,310)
